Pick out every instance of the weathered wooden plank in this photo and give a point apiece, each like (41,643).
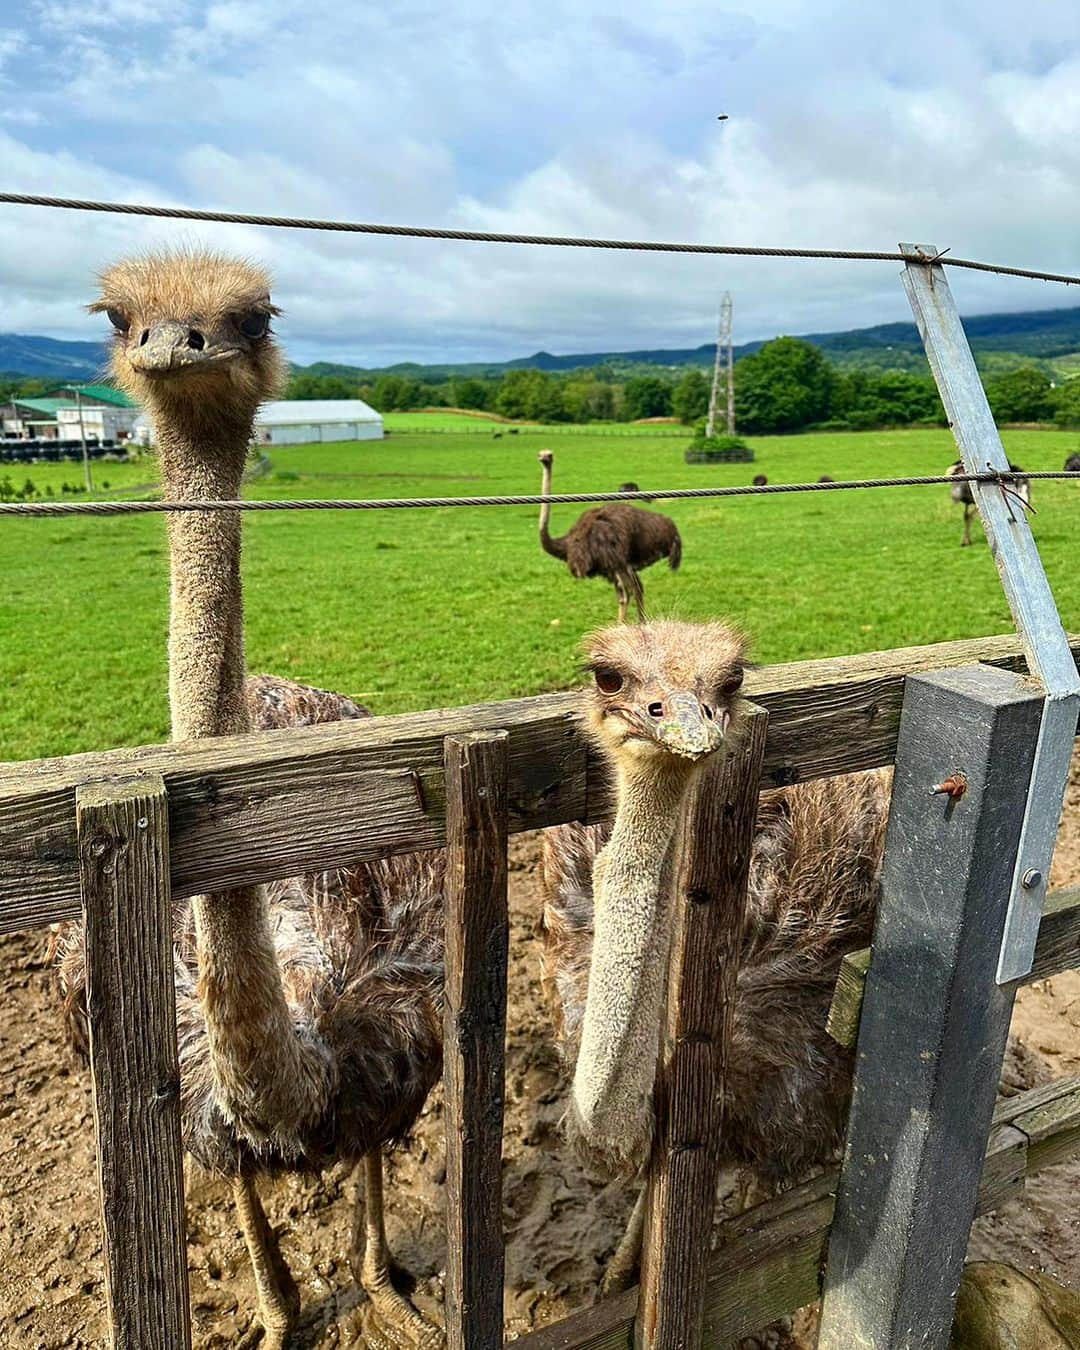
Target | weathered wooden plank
(927,1067)
(1057,949)
(249,809)
(768,1259)
(689,1098)
(847,1000)
(477,939)
(123,837)
(1052,1129)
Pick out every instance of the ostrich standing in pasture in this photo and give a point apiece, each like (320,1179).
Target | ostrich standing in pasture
(665,697)
(615,540)
(962,494)
(308,1011)
(1072,464)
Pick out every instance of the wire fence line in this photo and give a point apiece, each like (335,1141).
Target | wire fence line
(41,509)
(499,237)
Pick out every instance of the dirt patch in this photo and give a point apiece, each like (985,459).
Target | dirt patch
(560,1226)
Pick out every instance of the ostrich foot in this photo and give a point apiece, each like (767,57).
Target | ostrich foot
(279,1298)
(624,1263)
(397,1324)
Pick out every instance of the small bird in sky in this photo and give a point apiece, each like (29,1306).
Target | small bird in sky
(722,118)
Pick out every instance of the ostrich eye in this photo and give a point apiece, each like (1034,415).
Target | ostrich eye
(118,319)
(608,681)
(255,324)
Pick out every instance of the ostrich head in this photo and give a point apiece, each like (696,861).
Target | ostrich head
(191,334)
(665,690)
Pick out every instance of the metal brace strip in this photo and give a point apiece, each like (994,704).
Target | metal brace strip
(1026,589)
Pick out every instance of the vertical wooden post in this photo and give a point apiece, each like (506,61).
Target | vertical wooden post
(477,939)
(689,1099)
(934,1022)
(123,834)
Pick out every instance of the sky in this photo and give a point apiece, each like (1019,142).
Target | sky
(850,124)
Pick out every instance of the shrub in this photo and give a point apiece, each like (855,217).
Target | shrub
(718,449)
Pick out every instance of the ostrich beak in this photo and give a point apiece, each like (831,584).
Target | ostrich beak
(682,725)
(171,348)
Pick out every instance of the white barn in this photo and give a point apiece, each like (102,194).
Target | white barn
(300,421)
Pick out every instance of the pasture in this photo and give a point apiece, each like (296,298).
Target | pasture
(415,609)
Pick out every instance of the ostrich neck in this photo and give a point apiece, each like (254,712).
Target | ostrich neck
(269,1083)
(206,625)
(556,547)
(611,1114)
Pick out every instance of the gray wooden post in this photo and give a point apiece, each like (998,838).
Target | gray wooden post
(131,1009)
(934,1021)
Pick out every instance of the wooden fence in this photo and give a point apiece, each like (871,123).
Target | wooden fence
(119,836)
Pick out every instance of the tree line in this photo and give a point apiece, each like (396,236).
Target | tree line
(787,385)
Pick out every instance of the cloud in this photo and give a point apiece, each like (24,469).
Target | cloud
(846,128)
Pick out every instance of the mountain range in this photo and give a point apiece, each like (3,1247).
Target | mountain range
(1048,338)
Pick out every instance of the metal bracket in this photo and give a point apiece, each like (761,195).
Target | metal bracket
(1026,589)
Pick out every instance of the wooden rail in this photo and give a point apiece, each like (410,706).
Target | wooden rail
(1057,949)
(768,1260)
(249,809)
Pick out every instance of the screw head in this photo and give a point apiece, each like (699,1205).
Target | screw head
(1031,878)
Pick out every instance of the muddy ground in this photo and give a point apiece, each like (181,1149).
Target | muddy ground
(560,1227)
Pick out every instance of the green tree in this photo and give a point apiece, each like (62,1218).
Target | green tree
(1020,396)
(517,392)
(646,396)
(786,385)
(690,397)
(471,393)
(1066,403)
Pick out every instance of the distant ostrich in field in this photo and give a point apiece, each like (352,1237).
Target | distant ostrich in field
(826,478)
(633,487)
(1072,464)
(665,697)
(615,540)
(962,494)
(308,1011)
(760,480)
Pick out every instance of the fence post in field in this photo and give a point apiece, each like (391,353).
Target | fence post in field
(123,845)
(689,1096)
(477,940)
(934,1021)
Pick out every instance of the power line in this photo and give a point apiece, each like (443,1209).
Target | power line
(498,237)
(40,509)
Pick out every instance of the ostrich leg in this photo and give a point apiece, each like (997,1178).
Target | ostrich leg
(620,591)
(279,1298)
(637,589)
(969,511)
(626,1258)
(400,1322)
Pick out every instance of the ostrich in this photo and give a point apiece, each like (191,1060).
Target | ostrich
(1072,464)
(616,540)
(760,480)
(826,478)
(962,494)
(308,1011)
(666,696)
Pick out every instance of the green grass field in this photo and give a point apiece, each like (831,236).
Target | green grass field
(414,609)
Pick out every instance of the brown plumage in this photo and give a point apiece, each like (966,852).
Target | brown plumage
(615,540)
(360,949)
(308,1011)
(961,494)
(812,890)
(1072,464)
